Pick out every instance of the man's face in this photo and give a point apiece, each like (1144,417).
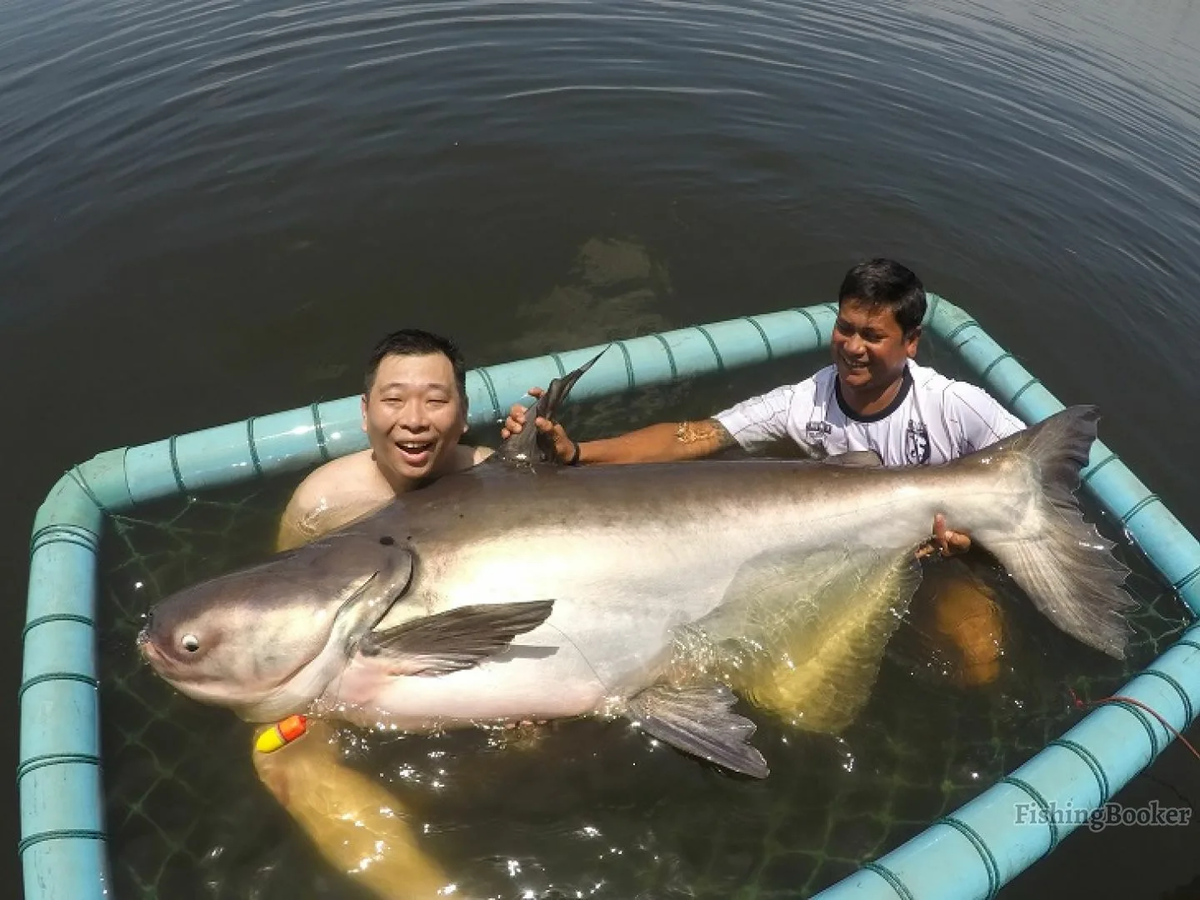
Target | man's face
(869,347)
(413,415)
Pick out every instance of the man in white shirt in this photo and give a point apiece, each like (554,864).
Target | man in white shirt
(929,420)
(872,397)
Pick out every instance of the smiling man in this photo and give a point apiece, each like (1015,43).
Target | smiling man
(873,396)
(414,412)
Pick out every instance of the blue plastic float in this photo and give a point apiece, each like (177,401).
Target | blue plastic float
(969,854)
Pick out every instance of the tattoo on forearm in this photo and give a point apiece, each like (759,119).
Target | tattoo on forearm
(708,430)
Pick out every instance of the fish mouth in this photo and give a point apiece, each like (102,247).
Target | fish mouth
(156,657)
(151,654)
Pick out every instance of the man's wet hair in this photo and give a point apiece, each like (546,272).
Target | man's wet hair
(415,342)
(885,282)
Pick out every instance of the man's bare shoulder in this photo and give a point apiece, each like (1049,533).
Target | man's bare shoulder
(358,475)
(344,489)
(353,474)
(338,492)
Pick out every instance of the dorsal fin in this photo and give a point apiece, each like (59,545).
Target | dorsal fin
(530,446)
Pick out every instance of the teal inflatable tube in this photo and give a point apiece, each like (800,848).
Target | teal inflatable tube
(61,795)
(971,853)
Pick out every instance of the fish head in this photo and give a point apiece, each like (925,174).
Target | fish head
(266,640)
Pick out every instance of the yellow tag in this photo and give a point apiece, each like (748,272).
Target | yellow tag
(269,741)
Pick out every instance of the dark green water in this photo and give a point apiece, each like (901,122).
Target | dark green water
(210,211)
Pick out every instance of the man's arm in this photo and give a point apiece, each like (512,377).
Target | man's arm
(662,442)
(758,421)
(982,421)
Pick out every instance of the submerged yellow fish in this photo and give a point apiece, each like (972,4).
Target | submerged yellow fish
(357,826)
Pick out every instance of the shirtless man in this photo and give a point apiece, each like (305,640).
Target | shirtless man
(414,412)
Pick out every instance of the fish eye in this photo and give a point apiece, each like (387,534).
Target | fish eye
(190,643)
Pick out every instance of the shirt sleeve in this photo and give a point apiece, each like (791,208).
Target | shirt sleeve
(760,421)
(981,420)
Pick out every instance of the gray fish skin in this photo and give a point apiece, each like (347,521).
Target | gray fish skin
(533,591)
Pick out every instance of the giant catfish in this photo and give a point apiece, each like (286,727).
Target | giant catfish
(522,590)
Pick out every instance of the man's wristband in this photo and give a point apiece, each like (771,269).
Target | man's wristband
(574,456)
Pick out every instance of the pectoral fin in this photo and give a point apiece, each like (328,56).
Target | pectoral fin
(454,640)
(697,719)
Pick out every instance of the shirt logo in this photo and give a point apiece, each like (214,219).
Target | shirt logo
(816,429)
(916,444)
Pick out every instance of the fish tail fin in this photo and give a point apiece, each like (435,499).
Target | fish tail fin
(1062,562)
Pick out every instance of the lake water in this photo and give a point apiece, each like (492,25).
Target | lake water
(210,211)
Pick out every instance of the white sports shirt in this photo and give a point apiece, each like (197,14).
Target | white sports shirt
(932,420)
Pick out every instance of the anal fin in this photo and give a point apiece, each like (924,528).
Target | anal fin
(697,719)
